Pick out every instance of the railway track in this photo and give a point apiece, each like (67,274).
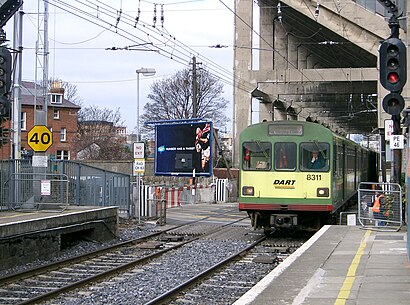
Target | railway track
(226,281)
(221,281)
(181,264)
(46,282)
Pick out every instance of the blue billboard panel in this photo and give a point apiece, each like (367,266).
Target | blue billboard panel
(181,148)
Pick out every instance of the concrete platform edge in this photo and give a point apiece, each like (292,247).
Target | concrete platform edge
(251,295)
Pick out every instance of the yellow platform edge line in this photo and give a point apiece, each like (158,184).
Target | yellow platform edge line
(344,291)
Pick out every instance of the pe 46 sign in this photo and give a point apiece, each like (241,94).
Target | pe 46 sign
(40,138)
(397,142)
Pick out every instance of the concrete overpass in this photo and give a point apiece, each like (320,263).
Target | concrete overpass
(310,60)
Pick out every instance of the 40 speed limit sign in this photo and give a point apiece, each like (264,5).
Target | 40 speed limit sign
(40,138)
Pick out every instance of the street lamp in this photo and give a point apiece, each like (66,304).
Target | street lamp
(145,72)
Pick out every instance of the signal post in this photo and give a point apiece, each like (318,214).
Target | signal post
(393,77)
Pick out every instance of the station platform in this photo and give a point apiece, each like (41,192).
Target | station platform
(29,235)
(340,265)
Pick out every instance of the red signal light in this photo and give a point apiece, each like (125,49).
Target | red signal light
(393,78)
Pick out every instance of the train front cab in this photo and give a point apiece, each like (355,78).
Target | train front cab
(279,186)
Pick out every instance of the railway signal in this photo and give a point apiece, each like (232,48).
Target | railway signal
(4,107)
(393,73)
(5,81)
(393,64)
(4,135)
(393,103)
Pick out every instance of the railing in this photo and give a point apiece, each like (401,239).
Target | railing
(87,185)
(38,191)
(380,206)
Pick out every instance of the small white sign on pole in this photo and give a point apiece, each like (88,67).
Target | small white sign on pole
(139,166)
(388,129)
(139,149)
(39,161)
(397,141)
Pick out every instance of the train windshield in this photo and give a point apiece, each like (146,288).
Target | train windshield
(314,156)
(285,156)
(256,156)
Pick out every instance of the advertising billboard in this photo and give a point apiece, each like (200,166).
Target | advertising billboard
(181,148)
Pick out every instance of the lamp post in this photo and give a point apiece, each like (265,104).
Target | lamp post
(145,72)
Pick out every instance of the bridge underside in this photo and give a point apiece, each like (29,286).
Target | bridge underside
(314,63)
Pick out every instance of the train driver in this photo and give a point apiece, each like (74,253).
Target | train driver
(317,161)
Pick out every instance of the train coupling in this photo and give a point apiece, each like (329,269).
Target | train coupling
(283,220)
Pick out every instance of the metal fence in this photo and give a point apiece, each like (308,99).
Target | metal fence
(35,191)
(23,186)
(380,206)
(150,197)
(87,185)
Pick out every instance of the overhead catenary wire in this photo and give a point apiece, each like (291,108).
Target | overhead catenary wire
(177,54)
(178,51)
(161,41)
(185,53)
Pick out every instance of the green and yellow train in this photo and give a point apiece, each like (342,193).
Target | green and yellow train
(296,174)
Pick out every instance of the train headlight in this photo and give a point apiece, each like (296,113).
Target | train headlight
(322,192)
(248,191)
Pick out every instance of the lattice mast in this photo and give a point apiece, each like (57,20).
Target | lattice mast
(41,77)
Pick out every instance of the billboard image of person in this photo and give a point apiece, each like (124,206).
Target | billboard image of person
(181,148)
(203,147)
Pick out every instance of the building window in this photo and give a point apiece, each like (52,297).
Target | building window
(63,134)
(56,98)
(56,114)
(63,155)
(23,118)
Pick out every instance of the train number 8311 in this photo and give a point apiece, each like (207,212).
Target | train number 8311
(315,177)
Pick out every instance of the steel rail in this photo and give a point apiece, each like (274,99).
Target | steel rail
(78,258)
(192,281)
(115,270)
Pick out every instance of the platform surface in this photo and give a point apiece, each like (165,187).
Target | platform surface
(340,265)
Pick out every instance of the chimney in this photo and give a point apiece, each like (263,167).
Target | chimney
(57,87)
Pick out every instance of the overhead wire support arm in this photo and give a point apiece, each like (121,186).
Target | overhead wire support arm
(132,47)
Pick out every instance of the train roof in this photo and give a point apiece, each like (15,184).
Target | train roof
(314,128)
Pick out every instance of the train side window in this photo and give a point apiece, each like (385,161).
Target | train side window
(256,156)
(314,156)
(285,156)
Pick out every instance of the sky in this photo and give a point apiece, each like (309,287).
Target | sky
(82,34)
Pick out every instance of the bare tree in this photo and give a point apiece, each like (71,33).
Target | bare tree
(98,135)
(171,99)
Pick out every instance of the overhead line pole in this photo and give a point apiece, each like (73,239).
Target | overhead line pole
(17,45)
(194,89)
(194,110)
